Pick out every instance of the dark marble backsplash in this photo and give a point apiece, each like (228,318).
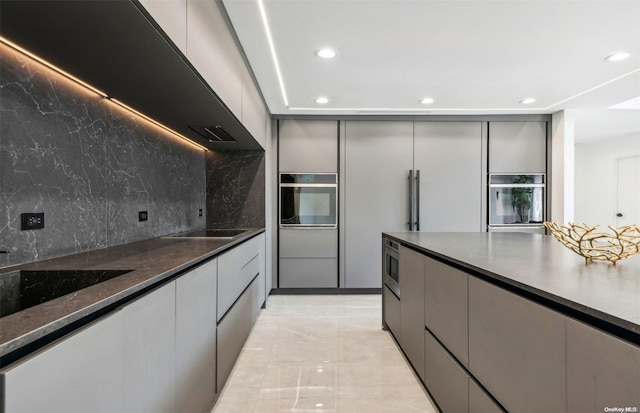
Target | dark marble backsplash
(89,165)
(235,189)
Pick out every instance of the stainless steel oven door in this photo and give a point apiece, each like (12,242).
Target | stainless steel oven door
(308,200)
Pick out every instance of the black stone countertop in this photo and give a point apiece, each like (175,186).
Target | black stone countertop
(152,261)
(539,267)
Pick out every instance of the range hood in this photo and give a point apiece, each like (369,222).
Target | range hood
(117,47)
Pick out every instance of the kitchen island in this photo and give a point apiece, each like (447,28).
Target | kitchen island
(516,322)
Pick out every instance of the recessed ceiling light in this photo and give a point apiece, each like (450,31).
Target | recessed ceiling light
(326,53)
(618,57)
(426,101)
(322,100)
(527,101)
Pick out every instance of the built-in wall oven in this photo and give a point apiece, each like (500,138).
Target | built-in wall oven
(391,274)
(308,200)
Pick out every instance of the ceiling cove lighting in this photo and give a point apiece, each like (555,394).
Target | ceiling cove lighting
(616,57)
(427,100)
(96,91)
(326,53)
(631,104)
(527,101)
(322,100)
(272,47)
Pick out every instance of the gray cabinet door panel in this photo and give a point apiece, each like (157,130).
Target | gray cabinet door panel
(232,332)
(308,273)
(196,338)
(149,353)
(446,307)
(308,243)
(449,157)
(412,307)
(392,312)
(517,349)
(517,147)
(308,146)
(445,379)
(603,371)
(479,401)
(379,156)
(79,373)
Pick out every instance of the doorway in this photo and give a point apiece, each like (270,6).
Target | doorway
(628,191)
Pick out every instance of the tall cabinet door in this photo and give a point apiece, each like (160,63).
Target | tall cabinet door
(449,158)
(378,158)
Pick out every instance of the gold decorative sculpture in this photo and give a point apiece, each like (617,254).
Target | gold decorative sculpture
(586,242)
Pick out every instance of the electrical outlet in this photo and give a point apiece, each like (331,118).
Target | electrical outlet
(143,216)
(32,220)
(200,212)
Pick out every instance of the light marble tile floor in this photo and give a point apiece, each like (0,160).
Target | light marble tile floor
(324,354)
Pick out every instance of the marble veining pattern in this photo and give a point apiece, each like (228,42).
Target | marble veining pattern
(88,165)
(325,354)
(235,189)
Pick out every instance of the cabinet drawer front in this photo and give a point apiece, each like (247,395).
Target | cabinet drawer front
(236,269)
(308,273)
(308,243)
(446,307)
(517,349)
(601,366)
(445,379)
(392,312)
(480,402)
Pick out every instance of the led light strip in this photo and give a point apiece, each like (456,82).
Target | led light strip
(96,91)
(274,56)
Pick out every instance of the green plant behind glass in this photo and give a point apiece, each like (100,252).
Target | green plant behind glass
(521,198)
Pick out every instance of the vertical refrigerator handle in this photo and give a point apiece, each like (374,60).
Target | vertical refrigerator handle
(410,222)
(418,200)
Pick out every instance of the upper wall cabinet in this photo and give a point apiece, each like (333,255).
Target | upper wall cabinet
(254,114)
(517,147)
(119,48)
(171,15)
(213,52)
(308,146)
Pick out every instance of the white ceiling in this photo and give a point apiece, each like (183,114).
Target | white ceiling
(472,57)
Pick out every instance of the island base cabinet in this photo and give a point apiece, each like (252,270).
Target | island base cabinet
(392,312)
(149,353)
(233,330)
(411,274)
(79,373)
(447,382)
(517,349)
(479,401)
(196,339)
(603,371)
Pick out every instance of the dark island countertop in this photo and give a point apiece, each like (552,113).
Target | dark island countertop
(539,267)
(152,262)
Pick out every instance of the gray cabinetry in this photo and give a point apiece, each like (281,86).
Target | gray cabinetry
(149,352)
(449,158)
(196,338)
(445,379)
(517,147)
(445,307)
(79,373)
(480,401)
(308,146)
(233,331)
(308,258)
(603,371)
(213,52)
(378,157)
(517,349)
(412,307)
(391,312)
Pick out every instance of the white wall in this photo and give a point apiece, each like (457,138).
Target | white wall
(595,179)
